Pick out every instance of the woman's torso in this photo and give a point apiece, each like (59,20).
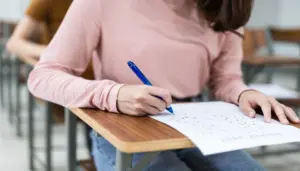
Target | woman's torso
(165,38)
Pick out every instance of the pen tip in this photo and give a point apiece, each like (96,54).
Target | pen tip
(170,110)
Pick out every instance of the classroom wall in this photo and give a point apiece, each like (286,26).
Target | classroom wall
(280,13)
(12,9)
(289,13)
(265,12)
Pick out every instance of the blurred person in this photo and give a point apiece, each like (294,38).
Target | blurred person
(31,36)
(181,45)
(40,23)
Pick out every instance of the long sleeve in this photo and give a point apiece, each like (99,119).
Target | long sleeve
(226,80)
(56,77)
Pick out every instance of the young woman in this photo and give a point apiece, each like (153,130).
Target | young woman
(181,45)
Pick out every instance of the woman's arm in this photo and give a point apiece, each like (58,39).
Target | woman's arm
(55,77)
(226,75)
(20,42)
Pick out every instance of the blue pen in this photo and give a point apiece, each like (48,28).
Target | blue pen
(142,77)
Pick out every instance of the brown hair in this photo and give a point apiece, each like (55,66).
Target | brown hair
(226,15)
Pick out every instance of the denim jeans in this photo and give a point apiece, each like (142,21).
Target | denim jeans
(177,160)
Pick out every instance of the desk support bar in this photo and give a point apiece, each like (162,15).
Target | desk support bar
(31,131)
(123,161)
(48,136)
(17,97)
(145,161)
(9,89)
(71,139)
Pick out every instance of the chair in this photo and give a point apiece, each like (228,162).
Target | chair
(291,35)
(253,63)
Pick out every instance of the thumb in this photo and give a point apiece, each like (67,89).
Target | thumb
(247,109)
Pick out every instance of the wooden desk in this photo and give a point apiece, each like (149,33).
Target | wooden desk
(129,135)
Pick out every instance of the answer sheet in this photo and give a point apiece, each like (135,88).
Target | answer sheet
(216,127)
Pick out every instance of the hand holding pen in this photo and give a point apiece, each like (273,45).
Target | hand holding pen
(139,100)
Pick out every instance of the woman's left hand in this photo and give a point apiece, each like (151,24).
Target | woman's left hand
(251,99)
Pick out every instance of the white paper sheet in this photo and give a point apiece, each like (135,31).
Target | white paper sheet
(275,91)
(216,127)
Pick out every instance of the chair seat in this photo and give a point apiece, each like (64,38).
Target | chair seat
(87,165)
(271,60)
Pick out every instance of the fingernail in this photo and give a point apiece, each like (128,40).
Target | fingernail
(252,113)
(286,122)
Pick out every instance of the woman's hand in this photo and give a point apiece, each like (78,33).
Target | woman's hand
(251,99)
(140,100)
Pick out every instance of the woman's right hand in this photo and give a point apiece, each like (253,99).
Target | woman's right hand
(138,100)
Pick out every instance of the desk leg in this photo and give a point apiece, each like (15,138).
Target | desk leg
(1,79)
(10,93)
(71,139)
(123,161)
(30,131)
(17,93)
(48,137)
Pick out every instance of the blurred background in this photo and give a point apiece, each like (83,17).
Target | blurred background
(271,64)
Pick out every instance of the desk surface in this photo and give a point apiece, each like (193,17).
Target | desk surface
(146,134)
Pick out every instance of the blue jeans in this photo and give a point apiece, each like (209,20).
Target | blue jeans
(177,160)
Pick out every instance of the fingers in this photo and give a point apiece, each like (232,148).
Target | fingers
(246,108)
(291,114)
(159,92)
(266,108)
(145,108)
(147,102)
(150,100)
(139,100)
(279,110)
(156,102)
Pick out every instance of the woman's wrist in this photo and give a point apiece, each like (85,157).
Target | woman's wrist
(243,93)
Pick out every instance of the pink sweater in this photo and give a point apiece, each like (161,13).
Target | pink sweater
(174,48)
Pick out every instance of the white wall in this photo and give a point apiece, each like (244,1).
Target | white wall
(279,13)
(265,12)
(12,9)
(289,13)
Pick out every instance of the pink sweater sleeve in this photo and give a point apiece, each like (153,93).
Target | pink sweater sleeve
(55,77)
(226,80)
